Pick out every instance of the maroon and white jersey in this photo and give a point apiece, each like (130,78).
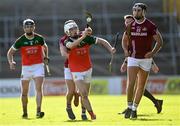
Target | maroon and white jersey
(62,40)
(141,39)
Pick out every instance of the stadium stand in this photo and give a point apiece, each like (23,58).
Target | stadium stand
(107,21)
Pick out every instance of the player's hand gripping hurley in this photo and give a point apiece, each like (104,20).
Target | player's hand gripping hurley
(46,62)
(88,18)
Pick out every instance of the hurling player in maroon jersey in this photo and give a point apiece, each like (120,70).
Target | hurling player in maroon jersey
(141,32)
(157,103)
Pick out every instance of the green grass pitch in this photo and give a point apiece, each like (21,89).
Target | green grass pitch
(106,108)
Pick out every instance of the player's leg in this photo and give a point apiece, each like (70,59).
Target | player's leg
(71,88)
(131,79)
(39,94)
(24,96)
(70,92)
(84,91)
(82,81)
(25,79)
(83,112)
(76,96)
(69,97)
(124,111)
(157,103)
(38,77)
(142,78)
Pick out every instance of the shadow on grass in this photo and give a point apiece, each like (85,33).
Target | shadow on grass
(142,117)
(148,119)
(146,115)
(31,118)
(78,121)
(28,118)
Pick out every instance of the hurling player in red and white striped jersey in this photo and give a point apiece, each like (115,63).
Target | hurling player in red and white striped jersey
(141,32)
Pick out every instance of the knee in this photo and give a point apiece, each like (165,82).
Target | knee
(70,91)
(38,90)
(141,88)
(84,95)
(24,95)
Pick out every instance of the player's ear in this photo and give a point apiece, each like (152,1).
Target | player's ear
(143,12)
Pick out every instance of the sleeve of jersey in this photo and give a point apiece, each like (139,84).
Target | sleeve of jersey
(16,45)
(90,40)
(153,29)
(43,41)
(67,44)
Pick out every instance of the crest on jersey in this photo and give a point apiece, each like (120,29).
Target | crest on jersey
(144,29)
(36,42)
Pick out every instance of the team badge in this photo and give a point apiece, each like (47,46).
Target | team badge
(36,42)
(144,29)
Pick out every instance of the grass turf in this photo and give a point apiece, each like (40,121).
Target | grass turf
(106,108)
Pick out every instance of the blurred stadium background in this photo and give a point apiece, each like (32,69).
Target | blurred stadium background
(50,15)
(108,19)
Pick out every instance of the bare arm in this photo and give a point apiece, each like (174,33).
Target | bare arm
(125,43)
(106,44)
(159,42)
(46,51)
(157,47)
(11,61)
(46,54)
(74,44)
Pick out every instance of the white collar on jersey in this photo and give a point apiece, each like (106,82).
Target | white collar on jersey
(140,22)
(29,38)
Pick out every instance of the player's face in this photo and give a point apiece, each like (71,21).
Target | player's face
(74,31)
(138,13)
(128,21)
(29,29)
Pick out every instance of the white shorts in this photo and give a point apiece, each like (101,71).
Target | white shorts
(67,74)
(144,64)
(29,72)
(85,75)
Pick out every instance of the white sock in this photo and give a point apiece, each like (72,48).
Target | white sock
(130,105)
(134,106)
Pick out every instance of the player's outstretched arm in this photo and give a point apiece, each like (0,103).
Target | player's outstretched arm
(86,32)
(106,44)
